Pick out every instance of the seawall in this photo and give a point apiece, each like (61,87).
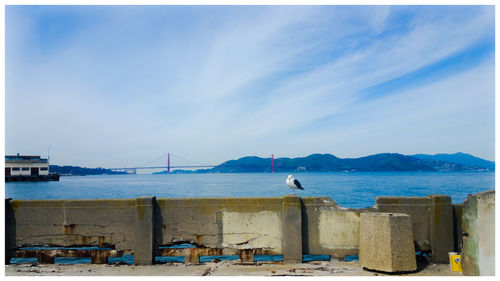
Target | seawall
(291,226)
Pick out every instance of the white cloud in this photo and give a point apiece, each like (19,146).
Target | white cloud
(216,83)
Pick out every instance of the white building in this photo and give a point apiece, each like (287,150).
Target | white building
(22,165)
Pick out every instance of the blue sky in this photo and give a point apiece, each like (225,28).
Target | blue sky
(119,86)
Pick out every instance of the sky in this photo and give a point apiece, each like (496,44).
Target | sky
(122,86)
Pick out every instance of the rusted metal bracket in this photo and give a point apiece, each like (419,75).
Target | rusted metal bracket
(192,255)
(47,256)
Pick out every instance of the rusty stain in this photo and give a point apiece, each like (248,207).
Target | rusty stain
(141,212)
(193,257)
(69,229)
(84,240)
(98,257)
(246,255)
(187,251)
(101,240)
(47,256)
(197,238)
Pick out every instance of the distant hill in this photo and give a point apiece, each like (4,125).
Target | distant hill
(324,163)
(81,171)
(459,158)
(377,162)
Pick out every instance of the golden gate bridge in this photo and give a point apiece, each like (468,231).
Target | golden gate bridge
(147,166)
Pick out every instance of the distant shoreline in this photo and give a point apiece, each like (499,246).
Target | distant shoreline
(384,162)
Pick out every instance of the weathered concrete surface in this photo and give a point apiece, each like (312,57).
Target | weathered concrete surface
(143,243)
(224,268)
(328,229)
(478,257)
(292,229)
(230,223)
(244,226)
(74,222)
(234,222)
(386,242)
(441,222)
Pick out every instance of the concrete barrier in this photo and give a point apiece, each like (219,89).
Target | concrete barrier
(147,227)
(478,257)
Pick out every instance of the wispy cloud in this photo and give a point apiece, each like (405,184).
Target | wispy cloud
(110,85)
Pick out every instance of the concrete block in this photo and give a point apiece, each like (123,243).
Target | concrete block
(386,242)
(143,238)
(478,226)
(292,229)
(441,226)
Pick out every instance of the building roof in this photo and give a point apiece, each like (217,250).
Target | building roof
(24,159)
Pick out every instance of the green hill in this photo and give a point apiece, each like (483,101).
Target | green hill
(460,158)
(328,163)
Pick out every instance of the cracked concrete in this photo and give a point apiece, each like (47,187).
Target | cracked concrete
(216,268)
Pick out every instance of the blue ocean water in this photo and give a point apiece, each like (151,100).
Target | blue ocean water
(349,189)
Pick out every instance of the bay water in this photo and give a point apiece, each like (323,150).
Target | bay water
(348,189)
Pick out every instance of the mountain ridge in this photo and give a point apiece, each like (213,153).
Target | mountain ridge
(459,158)
(372,163)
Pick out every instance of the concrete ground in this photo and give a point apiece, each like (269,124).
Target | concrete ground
(221,268)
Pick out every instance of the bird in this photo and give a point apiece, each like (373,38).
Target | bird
(293,183)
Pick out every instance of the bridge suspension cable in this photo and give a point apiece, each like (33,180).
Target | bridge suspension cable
(156,159)
(178,157)
(187,160)
(194,164)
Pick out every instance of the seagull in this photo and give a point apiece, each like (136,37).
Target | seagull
(293,183)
